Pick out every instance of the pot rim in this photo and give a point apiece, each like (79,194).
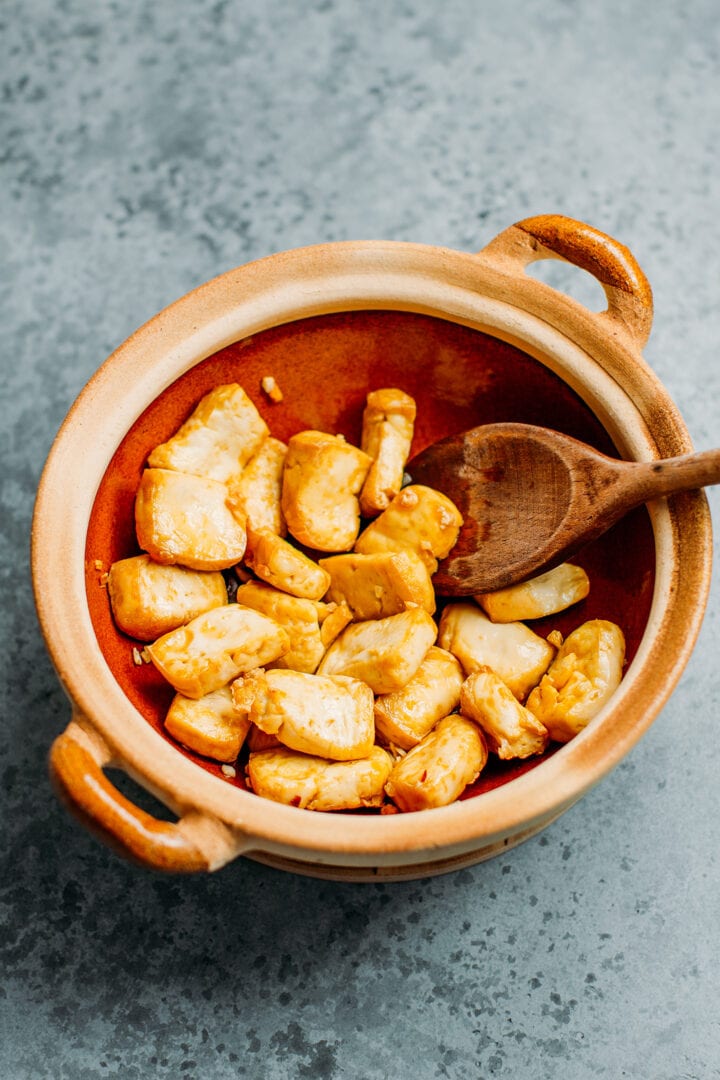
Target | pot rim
(473,290)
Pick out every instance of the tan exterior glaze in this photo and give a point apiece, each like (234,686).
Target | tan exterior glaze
(598,355)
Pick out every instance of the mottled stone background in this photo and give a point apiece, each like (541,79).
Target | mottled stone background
(146,147)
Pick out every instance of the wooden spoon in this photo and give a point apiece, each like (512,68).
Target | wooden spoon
(531,497)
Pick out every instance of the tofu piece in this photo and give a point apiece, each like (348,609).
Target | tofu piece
(208,725)
(217,440)
(300,618)
(375,586)
(404,718)
(216,647)
(511,730)
(185,519)
(255,497)
(280,564)
(419,518)
(333,620)
(543,595)
(582,678)
(312,783)
(384,653)
(437,770)
(517,655)
(329,716)
(322,478)
(387,434)
(270,386)
(149,599)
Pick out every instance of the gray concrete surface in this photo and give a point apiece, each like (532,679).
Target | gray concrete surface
(146,147)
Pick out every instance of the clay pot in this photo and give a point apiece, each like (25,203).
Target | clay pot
(475,340)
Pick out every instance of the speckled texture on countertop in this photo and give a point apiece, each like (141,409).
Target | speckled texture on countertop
(145,147)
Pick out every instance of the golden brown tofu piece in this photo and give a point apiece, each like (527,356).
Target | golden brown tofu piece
(280,564)
(208,725)
(419,518)
(517,655)
(511,730)
(322,478)
(218,438)
(375,586)
(333,620)
(149,599)
(387,434)
(330,716)
(255,497)
(270,386)
(437,770)
(216,647)
(300,618)
(582,678)
(404,718)
(185,519)
(384,653)
(312,783)
(543,595)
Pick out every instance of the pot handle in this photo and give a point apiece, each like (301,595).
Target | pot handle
(553,236)
(195,842)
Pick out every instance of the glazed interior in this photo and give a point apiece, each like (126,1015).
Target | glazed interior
(459,376)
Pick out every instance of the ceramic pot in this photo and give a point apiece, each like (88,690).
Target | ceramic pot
(474,339)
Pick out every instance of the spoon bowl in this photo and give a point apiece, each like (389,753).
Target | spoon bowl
(531,497)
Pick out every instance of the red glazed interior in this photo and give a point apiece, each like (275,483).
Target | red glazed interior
(325,365)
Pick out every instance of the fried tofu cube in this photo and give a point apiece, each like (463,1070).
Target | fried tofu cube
(384,653)
(437,770)
(321,481)
(280,564)
(185,519)
(375,586)
(582,678)
(149,599)
(312,783)
(299,617)
(333,620)
(387,434)
(419,518)
(404,718)
(208,725)
(543,595)
(510,729)
(218,438)
(216,647)
(517,655)
(255,497)
(327,715)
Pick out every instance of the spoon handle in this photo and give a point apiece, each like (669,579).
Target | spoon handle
(651,480)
